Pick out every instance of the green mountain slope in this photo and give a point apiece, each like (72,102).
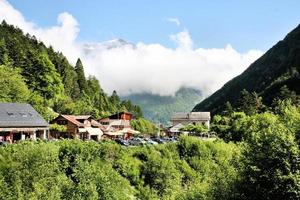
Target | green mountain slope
(160,108)
(279,66)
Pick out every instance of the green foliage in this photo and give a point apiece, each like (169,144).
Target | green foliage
(144,126)
(41,75)
(229,127)
(57,127)
(270,153)
(250,103)
(31,171)
(216,164)
(73,169)
(195,129)
(80,76)
(271,159)
(12,85)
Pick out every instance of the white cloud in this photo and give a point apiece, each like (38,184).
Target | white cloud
(62,36)
(174,20)
(183,40)
(142,67)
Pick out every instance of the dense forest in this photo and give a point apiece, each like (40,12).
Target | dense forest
(259,159)
(278,69)
(31,72)
(160,108)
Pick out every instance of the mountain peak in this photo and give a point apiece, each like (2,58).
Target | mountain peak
(107,45)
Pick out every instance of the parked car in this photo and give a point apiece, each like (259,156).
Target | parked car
(159,140)
(122,142)
(137,141)
(170,139)
(149,141)
(3,143)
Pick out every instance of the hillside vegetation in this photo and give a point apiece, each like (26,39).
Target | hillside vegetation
(278,69)
(160,108)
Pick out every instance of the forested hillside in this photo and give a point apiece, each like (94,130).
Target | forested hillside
(31,72)
(275,73)
(160,108)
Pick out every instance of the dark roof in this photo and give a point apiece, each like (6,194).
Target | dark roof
(191,116)
(117,115)
(20,115)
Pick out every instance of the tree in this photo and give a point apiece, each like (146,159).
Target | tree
(144,126)
(41,76)
(81,76)
(271,160)
(12,85)
(285,94)
(250,103)
(195,128)
(228,108)
(229,127)
(4,57)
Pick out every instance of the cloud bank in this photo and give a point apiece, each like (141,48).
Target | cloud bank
(136,68)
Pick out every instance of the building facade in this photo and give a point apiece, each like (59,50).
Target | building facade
(191,118)
(77,126)
(20,121)
(118,125)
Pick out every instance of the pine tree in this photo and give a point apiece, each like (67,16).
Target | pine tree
(250,103)
(80,76)
(4,58)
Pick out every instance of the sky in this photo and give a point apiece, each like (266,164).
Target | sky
(193,43)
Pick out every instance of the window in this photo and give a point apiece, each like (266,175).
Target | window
(10,114)
(23,114)
(62,122)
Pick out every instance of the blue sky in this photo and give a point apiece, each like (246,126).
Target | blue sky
(212,24)
(205,45)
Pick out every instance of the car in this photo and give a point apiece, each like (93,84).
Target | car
(149,141)
(122,142)
(137,141)
(3,143)
(170,139)
(159,140)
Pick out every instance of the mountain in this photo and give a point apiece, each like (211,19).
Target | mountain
(160,108)
(277,68)
(110,44)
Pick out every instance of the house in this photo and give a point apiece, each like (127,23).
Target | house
(118,125)
(191,118)
(77,126)
(180,120)
(118,121)
(20,121)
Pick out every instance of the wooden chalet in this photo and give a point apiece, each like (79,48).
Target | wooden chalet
(77,126)
(118,125)
(118,121)
(20,121)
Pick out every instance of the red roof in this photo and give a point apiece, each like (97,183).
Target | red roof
(73,119)
(81,116)
(95,123)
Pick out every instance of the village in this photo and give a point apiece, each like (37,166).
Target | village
(20,121)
